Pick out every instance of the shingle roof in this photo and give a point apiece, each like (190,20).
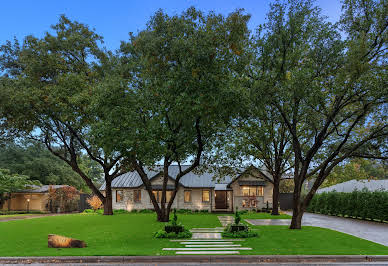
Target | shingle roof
(193,180)
(350,186)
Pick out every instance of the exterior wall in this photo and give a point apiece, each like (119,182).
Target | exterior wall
(261,200)
(18,202)
(196,203)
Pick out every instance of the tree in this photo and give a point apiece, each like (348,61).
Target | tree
(356,169)
(176,88)
(32,159)
(12,183)
(47,86)
(329,92)
(94,202)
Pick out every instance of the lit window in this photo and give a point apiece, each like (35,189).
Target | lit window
(187,196)
(260,191)
(158,195)
(137,196)
(119,195)
(205,195)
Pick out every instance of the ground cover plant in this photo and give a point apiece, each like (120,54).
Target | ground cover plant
(132,235)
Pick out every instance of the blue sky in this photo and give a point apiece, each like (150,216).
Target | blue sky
(116,18)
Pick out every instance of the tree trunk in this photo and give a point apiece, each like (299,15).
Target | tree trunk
(275,199)
(163,216)
(108,210)
(297,210)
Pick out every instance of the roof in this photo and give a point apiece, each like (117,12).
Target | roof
(190,180)
(350,186)
(41,189)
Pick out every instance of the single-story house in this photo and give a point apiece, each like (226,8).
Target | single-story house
(32,199)
(251,189)
(351,185)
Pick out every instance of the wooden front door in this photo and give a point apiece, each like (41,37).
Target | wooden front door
(221,200)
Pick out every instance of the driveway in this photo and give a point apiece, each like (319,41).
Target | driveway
(373,231)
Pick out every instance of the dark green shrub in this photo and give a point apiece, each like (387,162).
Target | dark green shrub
(146,211)
(358,204)
(120,211)
(134,211)
(163,234)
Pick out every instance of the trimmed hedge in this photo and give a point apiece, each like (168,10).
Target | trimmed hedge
(358,204)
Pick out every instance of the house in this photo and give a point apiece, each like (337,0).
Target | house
(252,189)
(351,185)
(32,199)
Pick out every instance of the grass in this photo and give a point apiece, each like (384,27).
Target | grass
(131,234)
(263,215)
(6,216)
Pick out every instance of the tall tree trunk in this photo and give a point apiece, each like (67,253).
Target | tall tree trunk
(275,198)
(108,210)
(297,210)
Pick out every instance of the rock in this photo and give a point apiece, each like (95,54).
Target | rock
(56,241)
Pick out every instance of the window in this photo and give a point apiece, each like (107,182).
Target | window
(257,191)
(137,195)
(205,195)
(187,196)
(158,195)
(119,195)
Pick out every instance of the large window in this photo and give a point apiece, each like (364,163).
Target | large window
(158,195)
(187,196)
(137,195)
(205,195)
(253,191)
(119,195)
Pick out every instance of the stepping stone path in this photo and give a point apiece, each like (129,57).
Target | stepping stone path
(208,241)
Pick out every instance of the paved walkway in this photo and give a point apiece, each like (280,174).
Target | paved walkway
(208,241)
(373,231)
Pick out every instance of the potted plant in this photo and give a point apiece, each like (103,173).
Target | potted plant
(174,226)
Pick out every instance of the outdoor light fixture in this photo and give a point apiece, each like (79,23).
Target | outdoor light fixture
(28,205)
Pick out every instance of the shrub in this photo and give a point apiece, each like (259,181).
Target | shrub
(204,211)
(134,211)
(359,204)
(120,211)
(88,211)
(184,211)
(240,234)
(94,202)
(146,211)
(163,234)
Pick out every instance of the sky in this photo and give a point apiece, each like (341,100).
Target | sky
(114,19)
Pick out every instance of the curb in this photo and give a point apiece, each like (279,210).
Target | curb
(200,259)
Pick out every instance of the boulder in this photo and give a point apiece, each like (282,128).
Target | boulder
(56,241)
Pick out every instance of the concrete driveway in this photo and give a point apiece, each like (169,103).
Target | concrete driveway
(373,231)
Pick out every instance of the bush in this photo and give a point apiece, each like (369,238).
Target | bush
(21,212)
(145,211)
(94,202)
(88,211)
(240,234)
(120,211)
(358,204)
(163,234)
(184,211)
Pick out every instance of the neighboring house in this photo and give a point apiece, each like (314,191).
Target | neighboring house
(250,190)
(350,186)
(33,199)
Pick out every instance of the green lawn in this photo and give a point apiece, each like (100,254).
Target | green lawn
(6,216)
(263,215)
(131,234)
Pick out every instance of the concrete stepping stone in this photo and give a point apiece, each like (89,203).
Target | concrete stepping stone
(206,252)
(208,243)
(198,240)
(207,235)
(206,249)
(209,246)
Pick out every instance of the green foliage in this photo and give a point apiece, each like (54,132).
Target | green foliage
(174,219)
(21,212)
(356,169)
(243,232)
(32,159)
(237,217)
(88,211)
(145,211)
(120,211)
(358,204)
(186,234)
(12,183)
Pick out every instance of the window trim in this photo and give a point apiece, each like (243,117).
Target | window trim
(184,196)
(122,195)
(208,190)
(139,193)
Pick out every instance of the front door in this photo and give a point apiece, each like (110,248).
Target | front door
(220,199)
